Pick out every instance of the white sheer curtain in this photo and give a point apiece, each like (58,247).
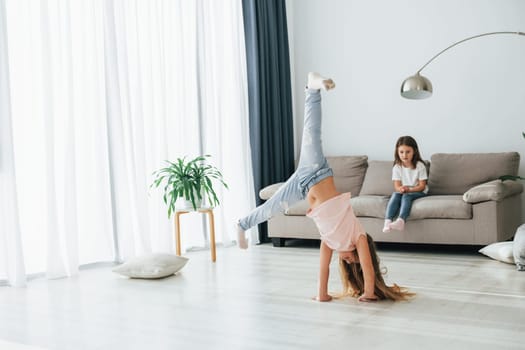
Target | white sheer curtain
(101,92)
(224,97)
(11,263)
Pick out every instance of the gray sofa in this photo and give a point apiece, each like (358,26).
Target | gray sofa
(467,204)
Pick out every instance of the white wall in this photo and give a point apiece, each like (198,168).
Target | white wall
(369,47)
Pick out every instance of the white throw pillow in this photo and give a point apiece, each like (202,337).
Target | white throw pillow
(154,265)
(501,251)
(269,191)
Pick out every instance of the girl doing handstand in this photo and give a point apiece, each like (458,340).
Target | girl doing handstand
(339,228)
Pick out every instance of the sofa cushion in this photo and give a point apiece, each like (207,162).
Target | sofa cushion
(495,190)
(501,251)
(349,172)
(151,266)
(440,207)
(458,172)
(435,207)
(518,248)
(370,206)
(378,178)
(268,191)
(298,209)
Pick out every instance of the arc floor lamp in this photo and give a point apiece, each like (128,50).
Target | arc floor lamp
(417,87)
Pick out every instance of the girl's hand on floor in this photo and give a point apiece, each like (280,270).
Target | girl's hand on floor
(323,298)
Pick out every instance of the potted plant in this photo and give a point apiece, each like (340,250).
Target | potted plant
(190,180)
(513,177)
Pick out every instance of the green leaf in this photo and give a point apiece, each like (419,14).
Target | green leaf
(511,177)
(191,179)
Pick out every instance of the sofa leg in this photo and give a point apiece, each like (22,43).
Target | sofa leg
(278,242)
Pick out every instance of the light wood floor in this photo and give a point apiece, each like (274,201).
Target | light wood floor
(260,299)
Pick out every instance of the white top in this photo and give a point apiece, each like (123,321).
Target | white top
(410,177)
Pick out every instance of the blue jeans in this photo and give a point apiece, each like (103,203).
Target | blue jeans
(312,167)
(402,203)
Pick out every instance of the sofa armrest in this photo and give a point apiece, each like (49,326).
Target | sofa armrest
(269,191)
(495,190)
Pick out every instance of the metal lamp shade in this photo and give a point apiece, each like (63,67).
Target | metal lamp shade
(416,87)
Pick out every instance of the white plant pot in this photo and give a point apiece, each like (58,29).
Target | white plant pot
(185,204)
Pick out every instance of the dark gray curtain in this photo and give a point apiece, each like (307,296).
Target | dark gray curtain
(270,93)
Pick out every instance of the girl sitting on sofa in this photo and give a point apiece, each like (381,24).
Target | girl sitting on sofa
(410,182)
(340,230)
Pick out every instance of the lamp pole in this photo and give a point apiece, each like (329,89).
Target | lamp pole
(418,87)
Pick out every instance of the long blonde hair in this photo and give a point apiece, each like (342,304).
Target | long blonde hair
(354,284)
